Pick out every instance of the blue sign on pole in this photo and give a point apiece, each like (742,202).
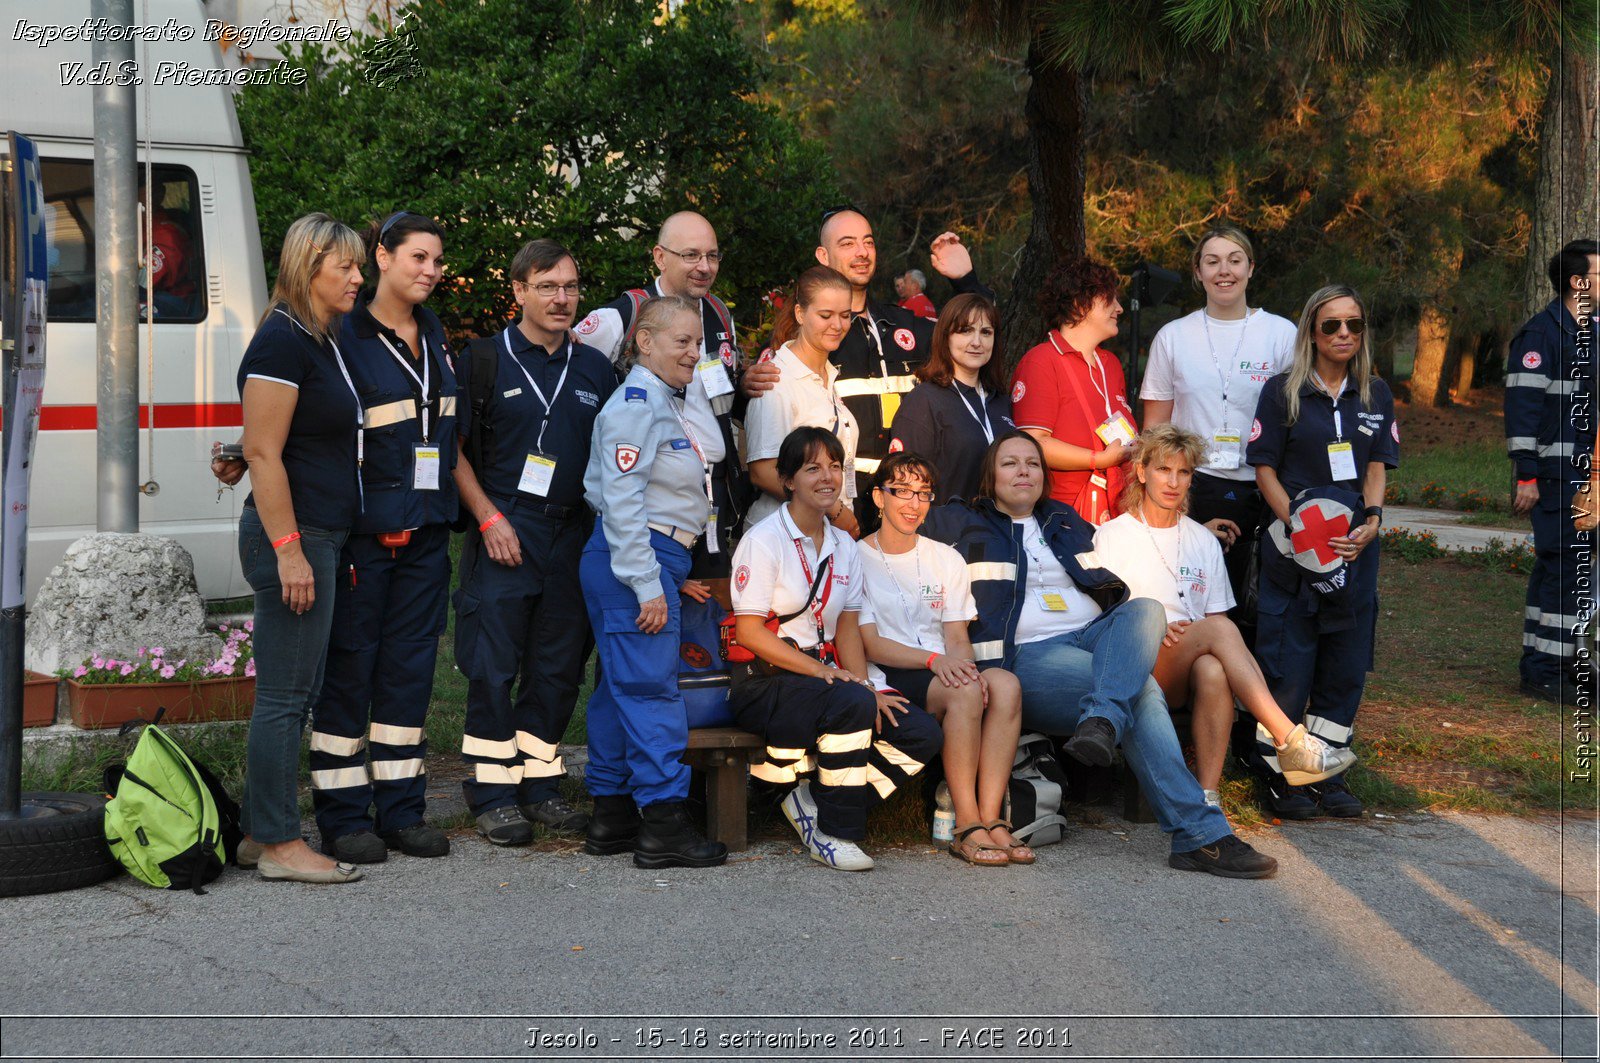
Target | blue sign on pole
(24,362)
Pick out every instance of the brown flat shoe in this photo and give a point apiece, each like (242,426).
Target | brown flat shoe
(1016,854)
(975,853)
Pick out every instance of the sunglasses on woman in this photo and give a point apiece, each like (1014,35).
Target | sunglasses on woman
(1331,326)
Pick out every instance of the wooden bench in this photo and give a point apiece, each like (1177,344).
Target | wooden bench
(725,754)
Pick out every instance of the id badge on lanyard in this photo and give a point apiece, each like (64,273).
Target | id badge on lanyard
(1341,454)
(537,474)
(425,464)
(539,470)
(1227,451)
(714,377)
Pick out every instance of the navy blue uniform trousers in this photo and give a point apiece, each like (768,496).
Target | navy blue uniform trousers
(522,625)
(1561,587)
(388,615)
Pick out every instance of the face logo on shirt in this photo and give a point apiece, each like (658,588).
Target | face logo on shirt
(1018,390)
(694,655)
(588,325)
(741,578)
(1255,430)
(627,456)
(1394,430)
(1531,360)
(904,339)
(895,446)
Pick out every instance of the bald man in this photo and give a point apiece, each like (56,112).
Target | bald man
(687,261)
(886,343)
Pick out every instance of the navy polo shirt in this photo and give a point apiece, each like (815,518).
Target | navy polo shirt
(1299,452)
(941,425)
(517,415)
(319,454)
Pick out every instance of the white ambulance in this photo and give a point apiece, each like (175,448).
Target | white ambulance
(210,289)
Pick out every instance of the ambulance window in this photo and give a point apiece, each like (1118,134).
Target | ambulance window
(180,295)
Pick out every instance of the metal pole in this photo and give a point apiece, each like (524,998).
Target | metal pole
(116,248)
(10,685)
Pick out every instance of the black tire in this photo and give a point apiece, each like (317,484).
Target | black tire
(59,844)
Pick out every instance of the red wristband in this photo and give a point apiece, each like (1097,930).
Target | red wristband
(279,544)
(929,664)
(486,525)
(1526,483)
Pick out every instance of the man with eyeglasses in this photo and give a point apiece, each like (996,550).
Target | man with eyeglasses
(533,395)
(687,260)
(1550,435)
(885,343)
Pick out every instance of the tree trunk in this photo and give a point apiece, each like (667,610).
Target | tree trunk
(1429,380)
(1055,113)
(1467,365)
(1567,195)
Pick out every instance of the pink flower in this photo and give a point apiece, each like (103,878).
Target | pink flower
(127,669)
(80,672)
(249,625)
(98,662)
(168,672)
(158,651)
(250,667)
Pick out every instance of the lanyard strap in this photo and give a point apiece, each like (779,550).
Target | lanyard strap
(423,398)
(865,317)
(1205,322)
(1338,418)
(1092,361)
(549,403)
(688,432)
(1172,569)
(983,404)
(818,604)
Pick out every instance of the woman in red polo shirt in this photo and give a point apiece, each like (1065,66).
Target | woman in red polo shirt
(1069,391)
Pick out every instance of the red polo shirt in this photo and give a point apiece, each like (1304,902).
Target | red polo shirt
(1045,393)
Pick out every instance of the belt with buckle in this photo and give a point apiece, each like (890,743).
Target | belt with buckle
(682,536)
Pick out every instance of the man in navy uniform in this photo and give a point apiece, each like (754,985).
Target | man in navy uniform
(885,343)
(520,616)
(1550,435)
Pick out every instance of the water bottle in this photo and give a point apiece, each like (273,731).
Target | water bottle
(944,815)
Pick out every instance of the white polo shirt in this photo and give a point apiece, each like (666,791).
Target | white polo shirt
(1192,358)
(909,597)
(768,576)
(1160,563)
(800,398)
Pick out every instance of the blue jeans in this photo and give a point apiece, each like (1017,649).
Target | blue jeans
(1104,670)
(290,650)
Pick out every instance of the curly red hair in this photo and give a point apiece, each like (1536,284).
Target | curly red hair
(1070,291)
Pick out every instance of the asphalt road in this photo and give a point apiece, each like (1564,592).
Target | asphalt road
(1426,937)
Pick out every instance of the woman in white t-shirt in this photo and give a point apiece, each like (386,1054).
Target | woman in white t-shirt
(918,602)
(804,394)
(1162,554)
(1205,374)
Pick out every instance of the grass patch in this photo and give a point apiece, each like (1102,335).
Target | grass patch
(1472,474)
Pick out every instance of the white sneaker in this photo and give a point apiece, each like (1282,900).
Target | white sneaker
(801,812)
(1213,798)
(1306,759)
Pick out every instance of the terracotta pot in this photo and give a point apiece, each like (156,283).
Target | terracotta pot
(114,704)
(38,699)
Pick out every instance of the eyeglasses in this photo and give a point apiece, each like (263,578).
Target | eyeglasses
(1331,326)
(692,258)
(906,494)
(548,289)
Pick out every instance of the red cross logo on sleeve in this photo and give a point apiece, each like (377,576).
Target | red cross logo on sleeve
(1316,530)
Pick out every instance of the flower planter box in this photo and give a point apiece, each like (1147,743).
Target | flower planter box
(38,699)
(96,705)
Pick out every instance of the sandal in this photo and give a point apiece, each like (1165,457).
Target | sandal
(973,852)
(1016,854)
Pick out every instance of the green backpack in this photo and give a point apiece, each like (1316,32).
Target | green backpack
(170,823)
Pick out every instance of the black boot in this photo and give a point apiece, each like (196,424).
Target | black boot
(668,838)
(613,827)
